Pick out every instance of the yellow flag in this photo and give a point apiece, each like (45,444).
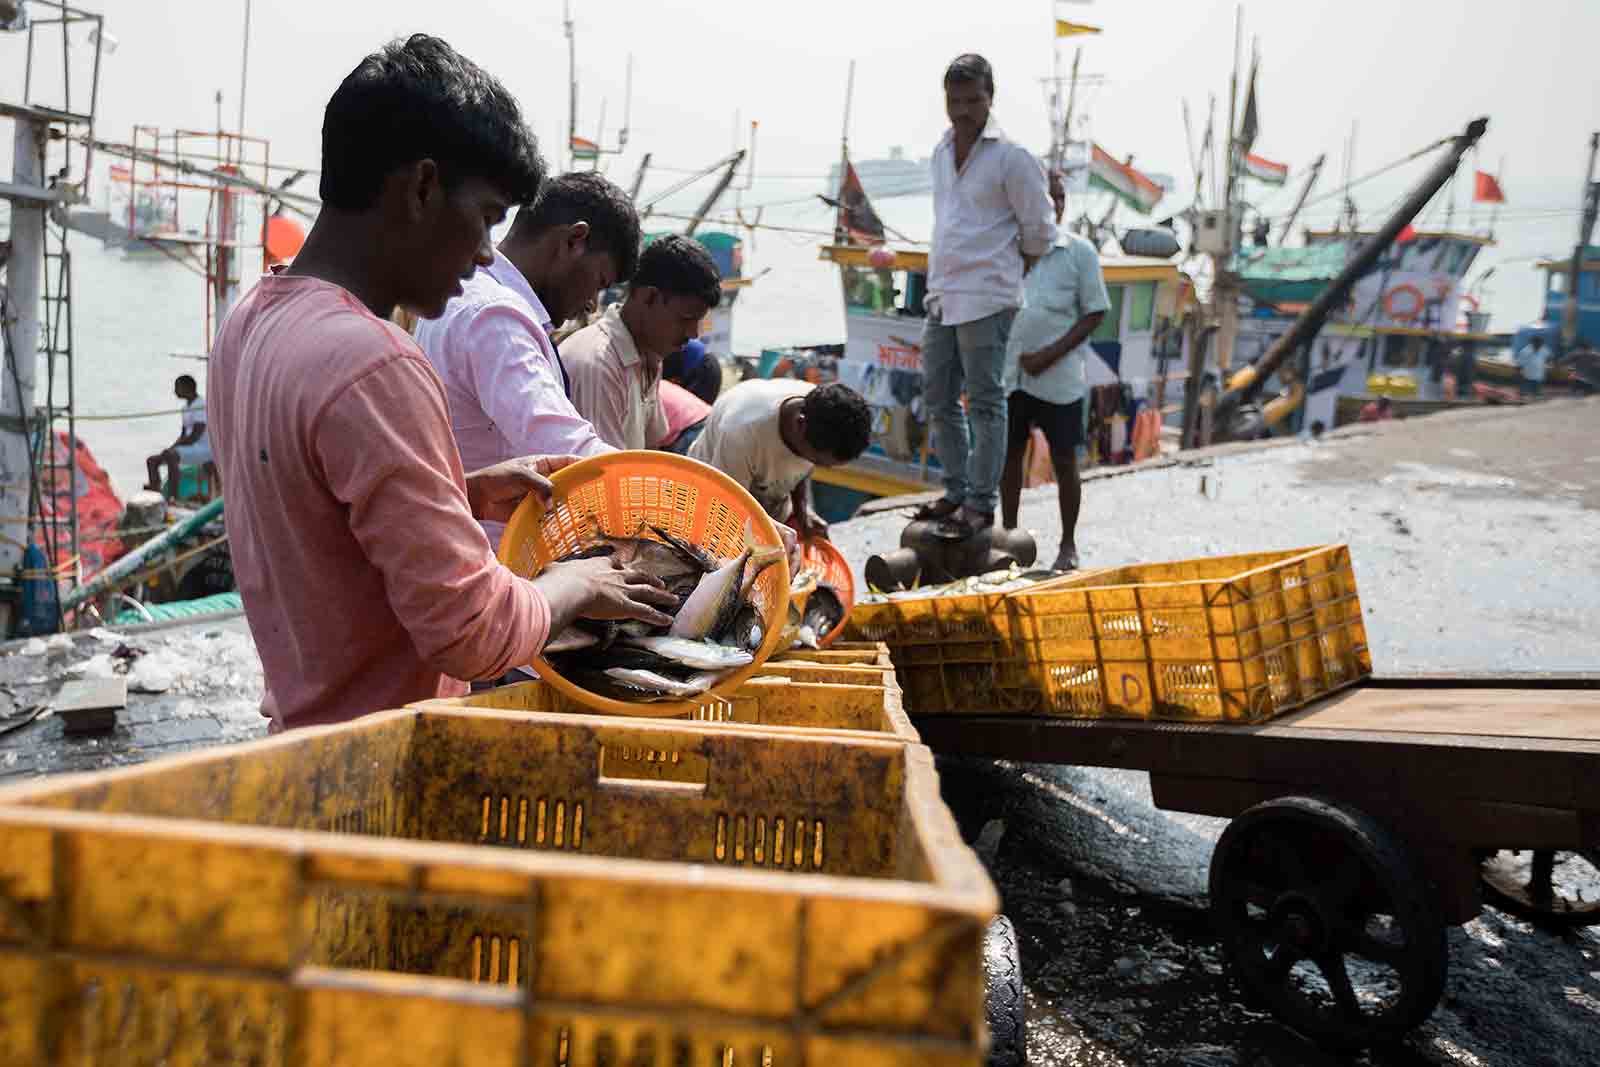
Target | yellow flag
(1072,29)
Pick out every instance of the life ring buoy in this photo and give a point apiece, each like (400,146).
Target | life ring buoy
(1411,314)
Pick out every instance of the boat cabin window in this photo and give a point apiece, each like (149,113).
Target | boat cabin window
(1110,328)
(883,292)
(1142,306)
(1558,282)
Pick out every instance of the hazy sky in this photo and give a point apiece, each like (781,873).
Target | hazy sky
(1410,71)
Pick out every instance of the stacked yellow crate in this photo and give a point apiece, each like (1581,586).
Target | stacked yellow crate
(503,882)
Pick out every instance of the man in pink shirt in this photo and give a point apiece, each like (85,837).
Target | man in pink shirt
(615,363)
(366,580)
(506,386)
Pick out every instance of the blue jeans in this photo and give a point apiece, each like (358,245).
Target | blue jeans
(973,354)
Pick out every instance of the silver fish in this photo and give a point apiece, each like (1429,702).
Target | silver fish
(747,630)
(572,639)
(651,682)
(702,655)
(824,609)
(714,600)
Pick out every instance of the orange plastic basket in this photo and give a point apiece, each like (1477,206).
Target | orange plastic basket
(683,496)
(821,555)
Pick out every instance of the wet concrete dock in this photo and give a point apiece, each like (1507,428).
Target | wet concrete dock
(1476,542)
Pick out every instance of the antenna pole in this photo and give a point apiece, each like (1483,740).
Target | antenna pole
(627,108)
(1311,179)
(244,69)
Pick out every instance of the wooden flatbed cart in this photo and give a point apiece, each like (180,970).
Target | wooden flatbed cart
(1363,824)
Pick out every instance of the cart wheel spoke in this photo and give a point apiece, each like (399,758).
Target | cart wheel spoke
(1346,881)
(1281,961)
(1337,975)
(1545,886)
(1542,879)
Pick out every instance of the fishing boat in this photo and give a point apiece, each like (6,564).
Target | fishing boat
(1403,330)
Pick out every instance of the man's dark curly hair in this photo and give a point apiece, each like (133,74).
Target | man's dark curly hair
(838,421)
(421,99)
(680,266)
(584,196)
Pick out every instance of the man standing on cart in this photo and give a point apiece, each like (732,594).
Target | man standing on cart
(992,221)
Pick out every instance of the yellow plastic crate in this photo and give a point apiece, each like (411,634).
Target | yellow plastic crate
(774,701)
(953,653)
(1233,638)
(499,889)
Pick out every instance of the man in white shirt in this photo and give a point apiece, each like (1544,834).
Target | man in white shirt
(768,434)
(1046,372)
(992,220)
(191,449)
(506,386)
(615,363)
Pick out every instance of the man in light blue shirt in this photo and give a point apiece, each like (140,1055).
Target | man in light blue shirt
(991,221)
(1047,372)
(1531,359)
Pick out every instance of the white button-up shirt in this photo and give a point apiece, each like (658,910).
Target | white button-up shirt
(502,376)
(986,216)
(1064,286)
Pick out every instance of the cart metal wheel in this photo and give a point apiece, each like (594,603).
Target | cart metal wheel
(1003,1006)
(1559,889)
(1326,919)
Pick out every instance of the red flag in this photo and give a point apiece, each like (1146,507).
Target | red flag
(856,216)
(1486,189)
(1406,235)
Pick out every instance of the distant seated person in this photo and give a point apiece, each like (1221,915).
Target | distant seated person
(686,416)
(696,370)
(191,449)
(769,434)
(1377,410)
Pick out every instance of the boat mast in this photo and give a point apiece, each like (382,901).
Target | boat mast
(572,82)
(844,149)
(244,68)
(1591,206)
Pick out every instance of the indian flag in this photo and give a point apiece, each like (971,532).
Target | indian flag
(1265,171)
(583,148)
(1133,188)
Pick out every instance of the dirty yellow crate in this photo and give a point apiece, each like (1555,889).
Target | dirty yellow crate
(769,701)
(1231,638)
(655,892)
(836,673)
(840,652)
(957,653)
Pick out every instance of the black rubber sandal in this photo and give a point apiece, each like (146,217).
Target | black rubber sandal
(963,528)
(939,509)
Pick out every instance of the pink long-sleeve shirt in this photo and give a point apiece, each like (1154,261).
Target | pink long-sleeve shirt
(367,582)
